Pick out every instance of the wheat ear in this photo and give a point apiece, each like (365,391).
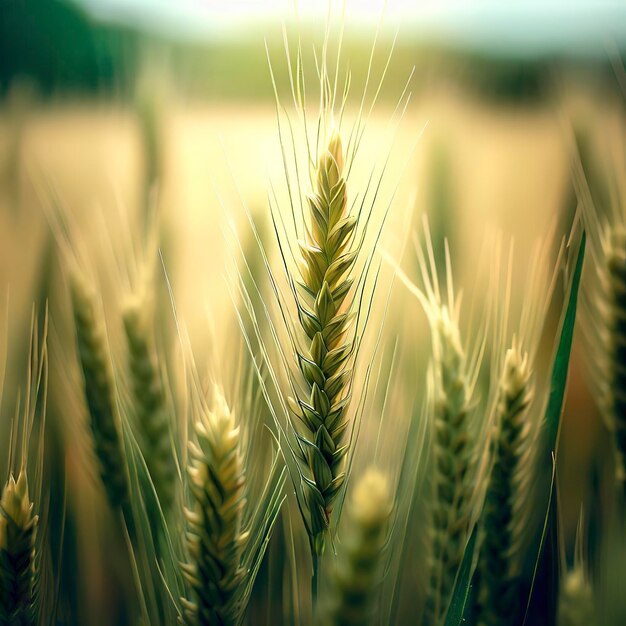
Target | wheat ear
(453,461)
(613,284)
(326,316)
(99,388)
(18,529)
(576,602)
(149,402)
(358,572)
(216,538)
(506,498)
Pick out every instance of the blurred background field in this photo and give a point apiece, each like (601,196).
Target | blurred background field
(117,108)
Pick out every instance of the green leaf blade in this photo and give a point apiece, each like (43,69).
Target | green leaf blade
(462,584)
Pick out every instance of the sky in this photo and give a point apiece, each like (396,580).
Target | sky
(578,26)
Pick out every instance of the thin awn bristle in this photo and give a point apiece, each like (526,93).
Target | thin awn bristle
(216,538)
(99,388)
(18,530)
(453,462)
(326,317)
(506,499)
(614,337)
(358,571)
(149,402)
(576,601)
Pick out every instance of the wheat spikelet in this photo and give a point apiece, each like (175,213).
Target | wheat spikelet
(99,388)
(453,461)
(358,574)
(613,284)
(18,528)
(326,316)
(216,539)
(576,603)
(503,519)
(149,401)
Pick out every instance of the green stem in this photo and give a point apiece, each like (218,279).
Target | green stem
(315,579)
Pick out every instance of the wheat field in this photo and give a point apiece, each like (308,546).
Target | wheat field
(328,360)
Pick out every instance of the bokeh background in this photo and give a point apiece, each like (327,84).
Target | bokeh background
(117,109)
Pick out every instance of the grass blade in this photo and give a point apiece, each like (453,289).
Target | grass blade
(462,583)
(561,360)
(554,409)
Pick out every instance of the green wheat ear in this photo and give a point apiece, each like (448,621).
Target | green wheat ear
(506,503)
(99,389)
(326,316)
(149,401)
(358,570)
(453,461)
(613,384)
(216,538)
(576,602)
(18,529)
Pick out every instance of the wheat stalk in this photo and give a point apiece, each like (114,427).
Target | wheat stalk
(216,538)
(453,461)
(613,384)
(99,389)
(506,498)
(358,572)
(18,529)
(149,401)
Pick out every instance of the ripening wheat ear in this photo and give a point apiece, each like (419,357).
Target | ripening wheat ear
(358,570)
(504,522)
(216,538)
(602,197)
(453,461)
(576,604)
(576,601)
(456,465)
(149,401)
(18,528)
(613,333)
(326,316)
(99,388)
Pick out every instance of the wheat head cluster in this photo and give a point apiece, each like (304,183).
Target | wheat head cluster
(301,476)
